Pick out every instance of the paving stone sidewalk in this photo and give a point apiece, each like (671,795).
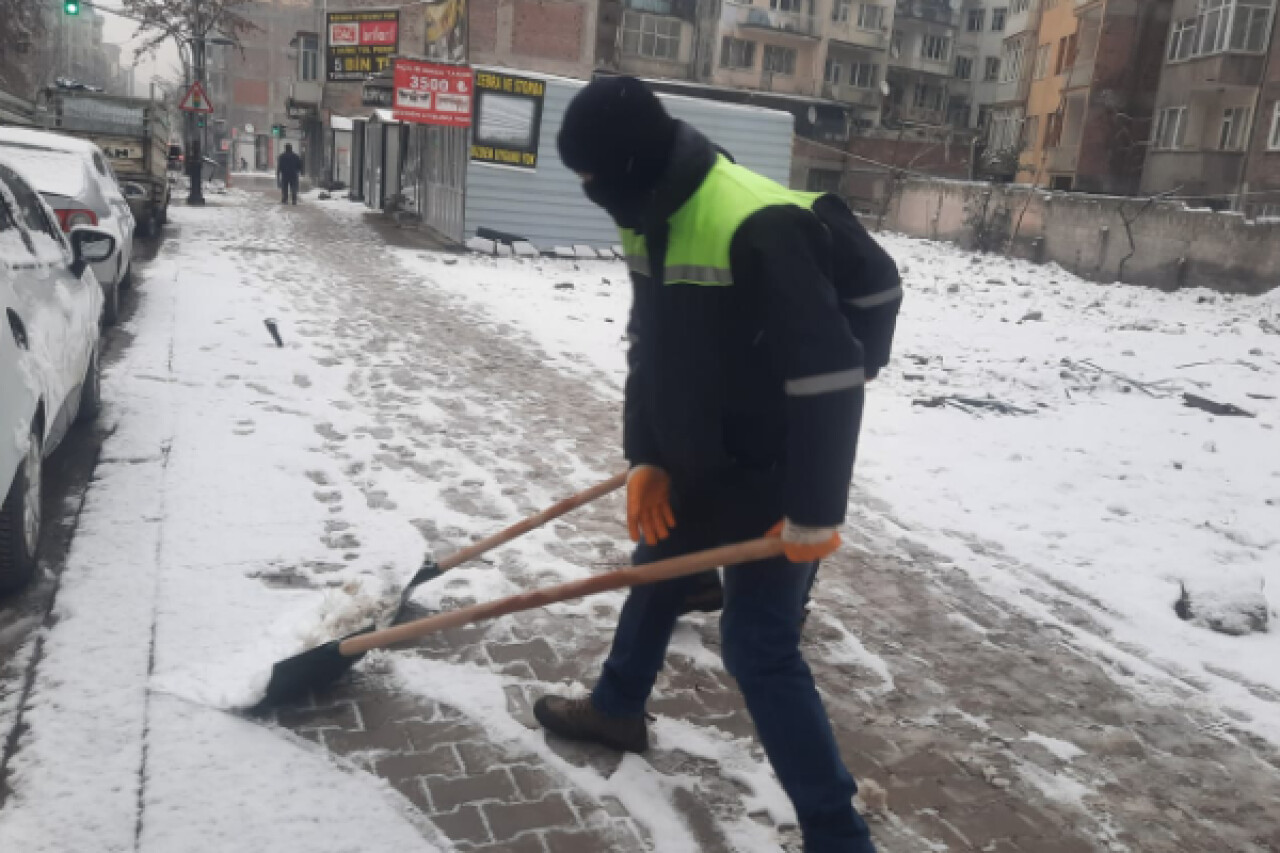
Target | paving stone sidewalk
(955,744)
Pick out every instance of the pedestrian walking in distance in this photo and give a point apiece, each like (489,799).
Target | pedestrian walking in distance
(288,171)
(758,315)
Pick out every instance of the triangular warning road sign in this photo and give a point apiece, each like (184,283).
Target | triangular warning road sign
(196,101)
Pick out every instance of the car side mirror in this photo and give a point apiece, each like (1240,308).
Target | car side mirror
(89,246)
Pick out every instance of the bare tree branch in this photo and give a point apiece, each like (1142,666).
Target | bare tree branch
(186,20)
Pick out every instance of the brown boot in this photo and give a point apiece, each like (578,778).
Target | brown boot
(578,719)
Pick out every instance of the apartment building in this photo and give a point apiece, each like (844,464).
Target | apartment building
(1260,192)
(1216,70)
(833,50)
(1097,141)
(979,41)
(1049,64)
(1006,132)
(921,62)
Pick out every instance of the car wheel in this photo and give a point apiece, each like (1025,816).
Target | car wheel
(91,390)
(144,228)
(20,520)
(126,280)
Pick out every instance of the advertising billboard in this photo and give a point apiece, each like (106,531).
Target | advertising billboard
(508,119)
(360,43)
(432,93)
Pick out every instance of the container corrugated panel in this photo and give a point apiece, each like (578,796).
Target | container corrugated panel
(547,206)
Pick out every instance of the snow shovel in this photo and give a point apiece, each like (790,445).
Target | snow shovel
(318,667)
(431,569)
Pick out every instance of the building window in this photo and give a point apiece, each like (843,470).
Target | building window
(840,10)
(937,48)
(991,70)
(737,53)
(964,67)
(975,19)
(308,57)
(832,73)
(895,44)
(1042,61)
(1212,26)
(1235,129)
(1020,6)
(1012,64)
(864,74)
(1182,40)
(1030,132)
(1053,130)
(650,36)
(779,60)
(787,5)
(1273,139)
(998,16)
(870,17)
(1066,54)
(823,181)
(1250,25)
(927,97)
(1171,128)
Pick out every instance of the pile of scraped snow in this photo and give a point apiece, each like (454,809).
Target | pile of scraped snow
(1032,429)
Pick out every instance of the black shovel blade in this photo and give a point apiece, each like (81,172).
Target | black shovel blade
(314,669)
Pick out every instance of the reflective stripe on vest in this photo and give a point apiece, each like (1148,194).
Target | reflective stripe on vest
(701,231)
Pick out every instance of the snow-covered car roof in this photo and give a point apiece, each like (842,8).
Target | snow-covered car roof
(48,170)
(47,139)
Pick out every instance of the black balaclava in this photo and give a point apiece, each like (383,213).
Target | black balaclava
(618,132)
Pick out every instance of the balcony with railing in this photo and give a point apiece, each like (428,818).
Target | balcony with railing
(1063,158)
(911,60)
(746,16)
(927,11)
(852,95)
(1013,90)
(306,91)
(848,32)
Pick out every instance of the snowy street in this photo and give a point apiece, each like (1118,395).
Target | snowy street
(997,642)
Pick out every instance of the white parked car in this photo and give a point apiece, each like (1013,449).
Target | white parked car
(50,335)
(75,178)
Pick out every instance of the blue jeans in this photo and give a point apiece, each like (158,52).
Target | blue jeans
(760,637)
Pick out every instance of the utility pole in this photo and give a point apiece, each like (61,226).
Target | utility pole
(195,163)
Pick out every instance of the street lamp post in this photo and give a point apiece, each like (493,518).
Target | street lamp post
(199,141)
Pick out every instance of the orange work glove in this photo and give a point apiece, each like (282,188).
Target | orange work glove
(649,504)
(806,544)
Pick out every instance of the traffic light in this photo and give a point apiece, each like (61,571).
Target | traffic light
(277,130)
(71,7)
(200,121)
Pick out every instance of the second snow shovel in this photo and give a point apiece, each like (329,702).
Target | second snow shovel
(318,667)
(432,569)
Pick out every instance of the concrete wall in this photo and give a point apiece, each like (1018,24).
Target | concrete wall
(1175,247)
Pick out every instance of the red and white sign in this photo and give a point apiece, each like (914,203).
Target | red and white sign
(195,100)
(363,33)
(431,93)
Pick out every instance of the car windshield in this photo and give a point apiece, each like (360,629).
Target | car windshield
(49,171)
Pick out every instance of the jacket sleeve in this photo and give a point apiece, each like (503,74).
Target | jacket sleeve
(638,444)
(813,351)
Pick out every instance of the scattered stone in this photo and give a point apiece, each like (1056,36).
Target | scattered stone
(1235,608)
(450,261)
(953,288)
(1256,351)
(1032,316)
(324,196)
(481,246)
(564,285)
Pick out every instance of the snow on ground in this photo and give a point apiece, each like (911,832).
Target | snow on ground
(1099,488)
(163,600)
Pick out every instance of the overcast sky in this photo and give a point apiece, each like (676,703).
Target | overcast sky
(165,64)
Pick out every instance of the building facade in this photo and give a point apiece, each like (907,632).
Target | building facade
(1007,135)
(979,42)
(1216,68)
(1260,192)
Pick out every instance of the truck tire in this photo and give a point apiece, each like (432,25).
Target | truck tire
(163,218)
(20,517)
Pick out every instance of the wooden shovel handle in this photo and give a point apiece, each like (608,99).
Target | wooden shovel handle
(687,564)
(534,521)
